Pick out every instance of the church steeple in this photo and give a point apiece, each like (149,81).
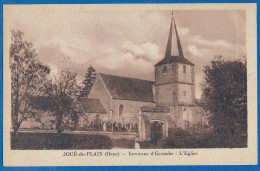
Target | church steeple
(173,52)
(171,42)
(174,74)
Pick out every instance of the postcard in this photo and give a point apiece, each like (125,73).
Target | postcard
(132,84)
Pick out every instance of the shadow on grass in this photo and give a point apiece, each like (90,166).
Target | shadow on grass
(52,141)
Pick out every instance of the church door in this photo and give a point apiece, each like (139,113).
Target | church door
(156,131)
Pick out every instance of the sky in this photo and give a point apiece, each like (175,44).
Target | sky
(126,42)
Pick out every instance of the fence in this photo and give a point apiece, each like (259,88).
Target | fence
(109,126)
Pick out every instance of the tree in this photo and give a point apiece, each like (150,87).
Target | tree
(225,95)
(89,81)
(27,76)
(61,98)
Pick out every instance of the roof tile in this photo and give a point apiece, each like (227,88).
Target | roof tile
(129,88)
(92,106)
(172,59)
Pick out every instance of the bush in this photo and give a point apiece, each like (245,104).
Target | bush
(145,144)
(183,139)
(180,139)
(213,140)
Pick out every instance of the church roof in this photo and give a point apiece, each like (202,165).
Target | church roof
(92,106)
(170,55)
(126,88)
(172,59)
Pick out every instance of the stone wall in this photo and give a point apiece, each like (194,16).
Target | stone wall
(183,114)
(112,135)
(185,94)
(171,74)
(175,86)
(174,73)
(89,118)
(185,77)
(167,94)
(174,94)
(130,111)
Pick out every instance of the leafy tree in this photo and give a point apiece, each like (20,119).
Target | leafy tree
(27,76)
(89,81)
(61,98)
(225,95)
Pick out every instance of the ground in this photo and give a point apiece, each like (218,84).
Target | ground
(43,141)
(176,139)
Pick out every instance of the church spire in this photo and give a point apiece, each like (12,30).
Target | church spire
(170,43)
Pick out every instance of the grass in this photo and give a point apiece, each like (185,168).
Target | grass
(177,139)
(124,143)
(52,141)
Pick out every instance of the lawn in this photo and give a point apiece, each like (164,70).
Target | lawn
(52,141)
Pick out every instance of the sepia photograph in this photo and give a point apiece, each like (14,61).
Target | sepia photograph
(83,78)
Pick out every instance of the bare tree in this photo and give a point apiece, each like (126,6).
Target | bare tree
(27,76)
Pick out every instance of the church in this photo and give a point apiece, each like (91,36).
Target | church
(144,105)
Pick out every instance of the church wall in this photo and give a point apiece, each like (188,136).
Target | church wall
(185,94)
(184,116)
(167,94)
(192,74)
(170,75)
(186,76)
(179,115)
(187,116)
(193,81)
(193,92)
(100,92)
(130,110)
(198,114)
(88,118)
(175,114)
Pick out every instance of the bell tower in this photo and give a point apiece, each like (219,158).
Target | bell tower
(174,74)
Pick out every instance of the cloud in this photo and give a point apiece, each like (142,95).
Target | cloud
(134,49)
(77,49)
(54,71)
(214,43)
(134,57)
(194,50)
(148,51)
(223,43)
(113,59)
(80,80)
(126,43)
(183,31)
(152,51)
(200,52)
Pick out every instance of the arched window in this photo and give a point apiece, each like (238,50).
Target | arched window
(184,69)
(164,71)
(121,110)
